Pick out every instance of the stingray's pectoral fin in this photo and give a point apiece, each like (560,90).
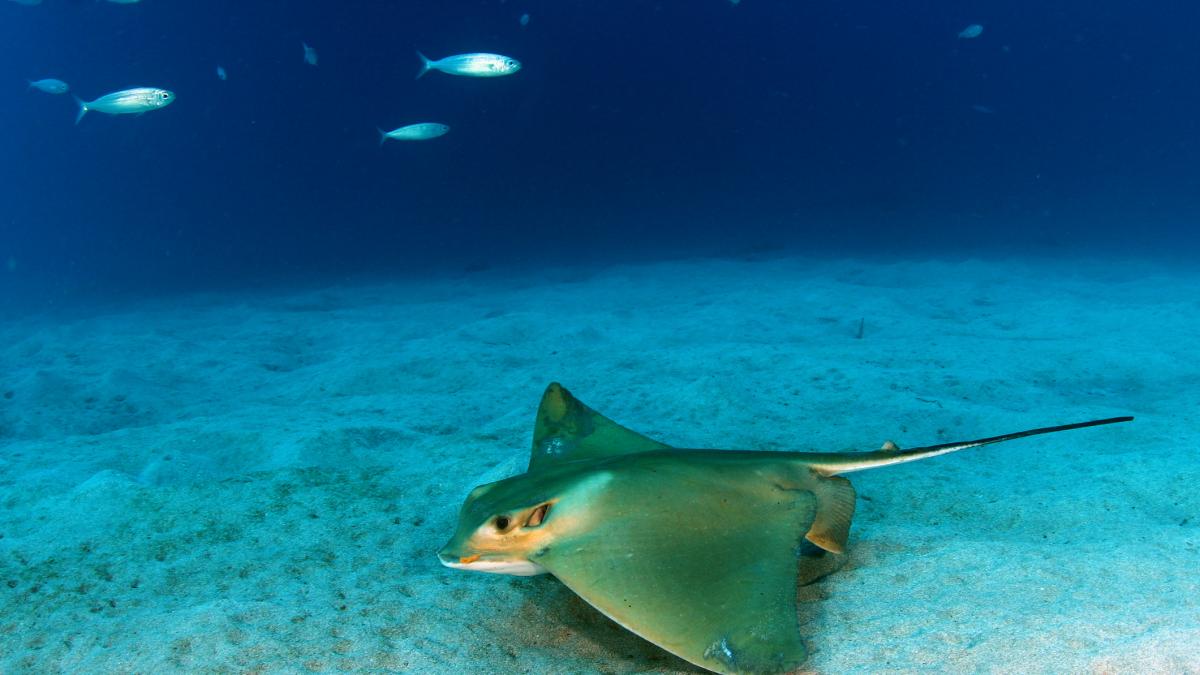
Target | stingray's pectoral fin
(710,578)
(567,429)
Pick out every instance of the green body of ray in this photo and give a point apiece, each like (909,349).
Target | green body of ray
(697,551)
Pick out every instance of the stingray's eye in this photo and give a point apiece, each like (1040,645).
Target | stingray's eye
(502,523)
(538,516)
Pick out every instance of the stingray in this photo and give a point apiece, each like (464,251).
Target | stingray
(698,551)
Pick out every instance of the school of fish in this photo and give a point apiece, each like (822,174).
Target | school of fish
(139,100)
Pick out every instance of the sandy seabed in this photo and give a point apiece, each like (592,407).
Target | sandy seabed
(260,482)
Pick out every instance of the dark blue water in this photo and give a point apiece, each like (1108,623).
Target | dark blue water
(636,130)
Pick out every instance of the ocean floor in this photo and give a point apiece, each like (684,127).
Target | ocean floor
(260,482)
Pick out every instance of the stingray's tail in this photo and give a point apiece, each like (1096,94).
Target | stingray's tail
(834,463)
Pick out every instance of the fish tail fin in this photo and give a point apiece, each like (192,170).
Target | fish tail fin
(426,65)
(382,136)
(83,109)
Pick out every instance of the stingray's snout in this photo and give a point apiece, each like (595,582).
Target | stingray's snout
(451,558)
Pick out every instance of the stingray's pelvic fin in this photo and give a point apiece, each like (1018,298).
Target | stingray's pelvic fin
(835,508)
(834,463)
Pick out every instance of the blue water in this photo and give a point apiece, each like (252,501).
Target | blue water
(636,130)
(251,362)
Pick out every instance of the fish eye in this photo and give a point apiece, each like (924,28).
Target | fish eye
(165,95)
(502,522)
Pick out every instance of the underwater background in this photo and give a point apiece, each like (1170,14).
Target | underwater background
(251,361)
(637,130)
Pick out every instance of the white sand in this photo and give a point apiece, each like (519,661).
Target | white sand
(260,483)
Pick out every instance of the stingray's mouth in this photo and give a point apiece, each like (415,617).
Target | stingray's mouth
(458,560)
(477,562)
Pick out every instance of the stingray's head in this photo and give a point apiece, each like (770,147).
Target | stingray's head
(504,526)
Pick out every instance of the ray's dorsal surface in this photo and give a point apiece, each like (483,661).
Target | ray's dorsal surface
(697,551)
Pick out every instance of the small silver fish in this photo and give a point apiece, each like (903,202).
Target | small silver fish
(524,21)
(50,86)
(422,131)
(126,102)
(221,74)
(972,31)
(310,54)
(471,65)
